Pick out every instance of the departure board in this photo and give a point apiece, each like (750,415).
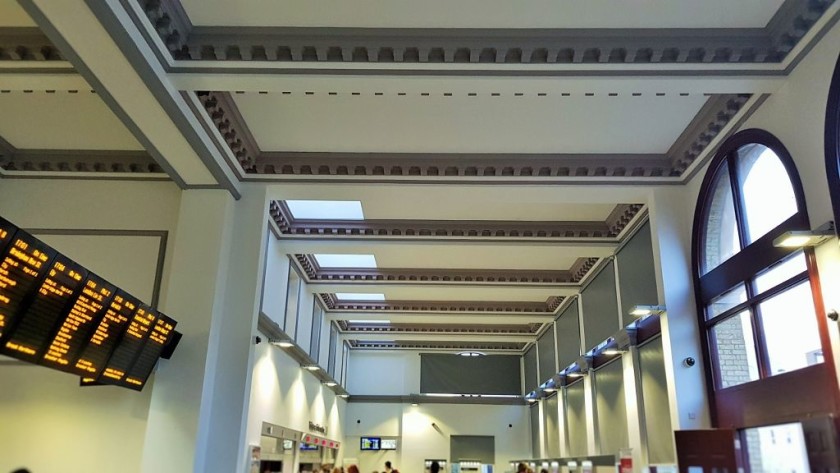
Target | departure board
(22,264)
(56,313)
(161,333)
(138,331)
(108,333)
(74,333)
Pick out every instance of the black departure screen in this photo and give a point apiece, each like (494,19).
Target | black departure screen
(23,263)
(139,328)
(108,333)
(161,334)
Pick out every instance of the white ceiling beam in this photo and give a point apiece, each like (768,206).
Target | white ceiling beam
(444,318)
(449,291)
(18,80)
(439,337)
(126,74)
(269,78)
(556,248)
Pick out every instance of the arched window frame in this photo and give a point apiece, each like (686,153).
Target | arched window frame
(736,406)
(832,141)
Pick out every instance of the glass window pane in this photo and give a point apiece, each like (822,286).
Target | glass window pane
(768,193)
(790,329)
(777,448)
(781,272)
(726,301)
(733,343)
(720,234)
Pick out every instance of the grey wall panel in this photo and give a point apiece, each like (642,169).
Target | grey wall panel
(450,373)
(656,403)
(530,370)
(472,447)
(600,308)
(552,427)
(547,356)
(535,430)
(576,419)
(567,327)
(636,273)
(612,407)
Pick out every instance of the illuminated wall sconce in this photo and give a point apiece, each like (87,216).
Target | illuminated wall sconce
(330,384)
(311,367)
(805,238)
(282,343)
(647,310)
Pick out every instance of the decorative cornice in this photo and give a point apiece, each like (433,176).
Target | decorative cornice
(78,161)
(582,267)
(505,307)
(368,328)
(518,46)
(712,118)
(26,44)
(225,115)
(313,272)
(438,345)
(612,227)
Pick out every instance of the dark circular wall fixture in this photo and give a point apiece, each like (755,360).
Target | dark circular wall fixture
(832,141)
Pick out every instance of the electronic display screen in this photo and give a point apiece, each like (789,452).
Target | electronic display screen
(306,446)
(370,443)
(55,313)
(388,444)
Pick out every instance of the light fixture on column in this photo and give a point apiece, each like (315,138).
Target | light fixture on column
(311,367)
(647,310)
(282,343)
(805,238)
(330,384)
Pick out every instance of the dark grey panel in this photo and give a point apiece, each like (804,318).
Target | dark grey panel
(567,327)
(315,333)
(333,349)
(636,273)
(552,426)
(656,403)
(450,373)
(547,356)
(612,408)
(535,430)
(600,308)
(530,369)
(576,419)
(472,447)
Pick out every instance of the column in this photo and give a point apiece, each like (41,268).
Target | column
(671,216)
(200,398)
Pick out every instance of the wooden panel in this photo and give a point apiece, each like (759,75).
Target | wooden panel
(713,450)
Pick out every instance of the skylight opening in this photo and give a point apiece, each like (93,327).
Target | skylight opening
(356,296)
(326,209)
(346,261)
(369,321)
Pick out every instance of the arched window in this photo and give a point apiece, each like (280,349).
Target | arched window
(756,302)
(832,141)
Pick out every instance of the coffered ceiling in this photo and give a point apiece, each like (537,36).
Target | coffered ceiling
(499,154)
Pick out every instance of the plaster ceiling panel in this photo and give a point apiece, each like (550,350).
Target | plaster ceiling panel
(450,293)
(464,124)
(485,13)
(11,14)
(62,121)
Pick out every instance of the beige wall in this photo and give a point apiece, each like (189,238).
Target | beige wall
(49,423)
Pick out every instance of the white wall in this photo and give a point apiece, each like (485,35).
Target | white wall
(48,422)
(284,394)
(420,440)
(275,282)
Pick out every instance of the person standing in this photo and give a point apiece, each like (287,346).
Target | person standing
(388,468)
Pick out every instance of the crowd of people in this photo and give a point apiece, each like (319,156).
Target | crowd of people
(524,468)
(435,468)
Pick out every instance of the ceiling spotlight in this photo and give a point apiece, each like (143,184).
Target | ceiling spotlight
(805,238)
(646,310)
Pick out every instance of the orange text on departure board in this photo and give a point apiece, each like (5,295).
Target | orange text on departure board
(87,305)
(3,233)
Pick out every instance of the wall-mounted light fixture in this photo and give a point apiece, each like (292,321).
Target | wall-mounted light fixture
(330,384)
(471,353)
(646,310)
(282,343)
(311,367)
(805,238)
